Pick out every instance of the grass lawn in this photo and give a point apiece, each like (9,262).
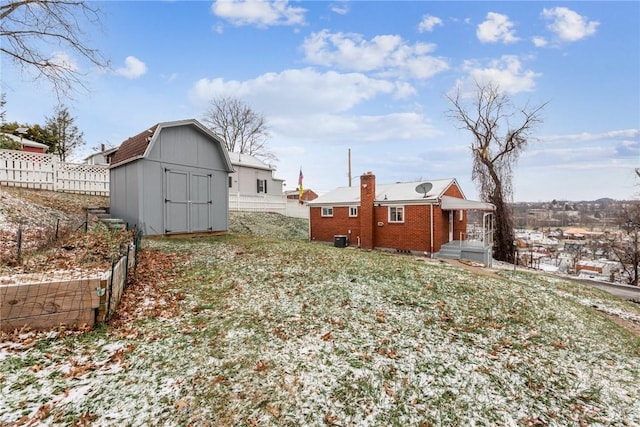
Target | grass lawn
(249,330)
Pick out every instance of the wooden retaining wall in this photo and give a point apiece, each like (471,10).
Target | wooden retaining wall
(74,303)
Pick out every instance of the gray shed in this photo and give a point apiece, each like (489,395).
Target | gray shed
(172,178)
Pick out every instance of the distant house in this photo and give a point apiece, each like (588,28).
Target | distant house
(253,176)
(102,157)
(428,218)
(307,195)
(27,144)
(253,186)
(172,178)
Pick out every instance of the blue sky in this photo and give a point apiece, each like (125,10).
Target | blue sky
(372,77)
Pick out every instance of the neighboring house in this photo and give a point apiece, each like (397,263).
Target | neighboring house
(307,195)
(417,217)
(27,144)
(102,157)
(253,176)
(172,178)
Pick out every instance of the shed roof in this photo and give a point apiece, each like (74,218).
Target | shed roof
(138,146)
(399,192)
(135,146)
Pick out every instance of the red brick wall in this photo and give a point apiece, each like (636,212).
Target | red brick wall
(413,234)
(366,212)
(324,228)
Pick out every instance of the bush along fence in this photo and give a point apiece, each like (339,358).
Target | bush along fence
(69,299)
(46,172)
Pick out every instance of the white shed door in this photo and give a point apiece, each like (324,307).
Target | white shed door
(188,204)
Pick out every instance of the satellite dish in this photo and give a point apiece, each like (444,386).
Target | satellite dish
(424,188)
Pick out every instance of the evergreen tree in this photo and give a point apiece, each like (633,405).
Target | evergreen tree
(66,135)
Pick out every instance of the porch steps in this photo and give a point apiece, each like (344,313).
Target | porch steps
(450,251)
(102,214)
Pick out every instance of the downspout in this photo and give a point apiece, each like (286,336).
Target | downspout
(431,230)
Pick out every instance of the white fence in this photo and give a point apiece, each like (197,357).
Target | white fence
(267,203)
(46,172)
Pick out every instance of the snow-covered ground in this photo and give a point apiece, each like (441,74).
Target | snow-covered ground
(273,332)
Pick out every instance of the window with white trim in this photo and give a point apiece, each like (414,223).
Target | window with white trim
(396,213)
(353,211)
(327,211)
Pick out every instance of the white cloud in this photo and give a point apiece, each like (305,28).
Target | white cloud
(169,78)
(568,25)
(340,7)
(298,91)
(507,72)
(428,23)
(619,135)
(496,28)
(62,59)
(133,68)
(386,54)
(539,41)
(334,129)
(261,13)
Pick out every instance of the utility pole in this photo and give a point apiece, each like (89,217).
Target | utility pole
(349,167)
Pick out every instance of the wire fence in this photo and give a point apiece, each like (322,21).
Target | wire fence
(26,237)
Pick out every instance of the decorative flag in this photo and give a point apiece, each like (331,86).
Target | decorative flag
(300,189)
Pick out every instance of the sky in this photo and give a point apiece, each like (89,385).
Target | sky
(370,79)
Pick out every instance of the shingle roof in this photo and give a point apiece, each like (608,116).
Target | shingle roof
(387,193)
(134,146)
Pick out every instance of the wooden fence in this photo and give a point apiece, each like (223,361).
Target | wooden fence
(46,172)
(75,302)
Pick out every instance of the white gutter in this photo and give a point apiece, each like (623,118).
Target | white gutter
(431,232)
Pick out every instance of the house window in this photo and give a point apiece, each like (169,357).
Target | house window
(396,213)
(262,186)
(327,211)
(230,182)
(353,211)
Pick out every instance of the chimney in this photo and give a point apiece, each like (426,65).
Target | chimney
(367,217)
(102,148)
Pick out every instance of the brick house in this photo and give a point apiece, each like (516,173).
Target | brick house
(427,218)
(27,144)
(307,195)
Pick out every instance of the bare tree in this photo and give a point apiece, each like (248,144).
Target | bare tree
(66,134)
(495,152)
(29,27)
(626,249)
(242,129)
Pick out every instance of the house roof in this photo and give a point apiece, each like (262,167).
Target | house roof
(26,142)
(455,204)
(138,146)
(400,192)
(245,160)
(240,159)
(103,153)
